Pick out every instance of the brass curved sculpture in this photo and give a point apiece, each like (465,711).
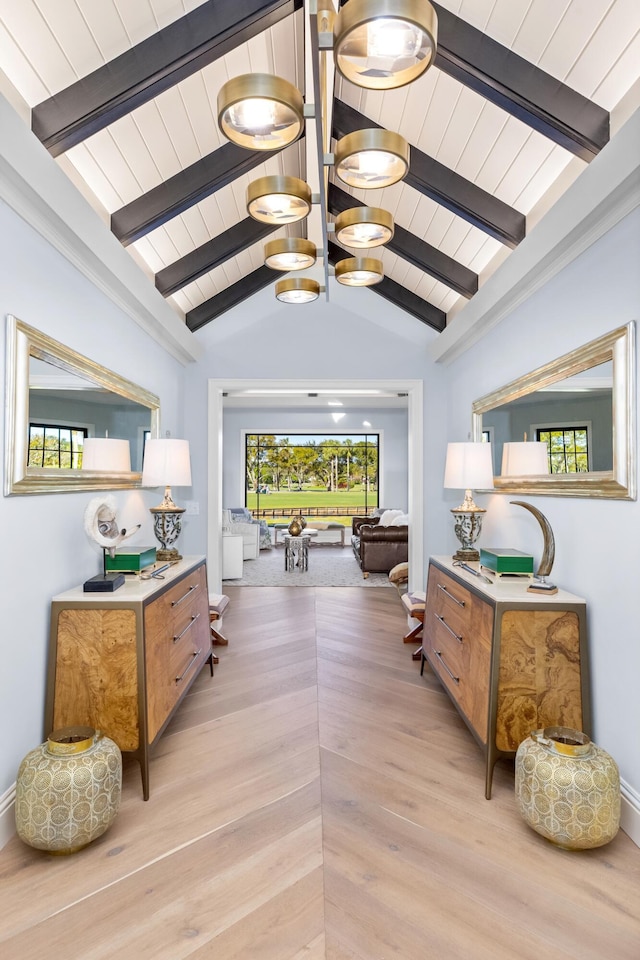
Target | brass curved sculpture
(549,550)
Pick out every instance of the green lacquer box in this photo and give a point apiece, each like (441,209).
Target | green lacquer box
(131,559)
(504,560)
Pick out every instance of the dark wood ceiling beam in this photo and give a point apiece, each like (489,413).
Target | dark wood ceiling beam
(400,296)
(211,255)
(152,66)
(444,186)
(231,297)
(183,190)
(517,86)
(421,254)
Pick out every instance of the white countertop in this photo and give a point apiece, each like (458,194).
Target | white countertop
(506,588)
(134,589)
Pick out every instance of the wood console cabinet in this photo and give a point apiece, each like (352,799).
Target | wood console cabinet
(511,661)
(121,662)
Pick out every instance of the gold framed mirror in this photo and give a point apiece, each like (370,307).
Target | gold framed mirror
(588,394)
(49,388)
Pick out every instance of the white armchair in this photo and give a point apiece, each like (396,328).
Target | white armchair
(249,531)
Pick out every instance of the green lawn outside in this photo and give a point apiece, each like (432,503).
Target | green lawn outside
(348,502)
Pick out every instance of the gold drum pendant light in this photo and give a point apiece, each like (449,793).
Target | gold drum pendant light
(359,271)
(278,199)
(297,290)
(382,44)
(289,253)
(363,227)
(260,112)
(371,159)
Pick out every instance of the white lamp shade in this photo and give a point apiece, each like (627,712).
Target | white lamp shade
(106,455)
(468,466)
(524,459)
(166,463)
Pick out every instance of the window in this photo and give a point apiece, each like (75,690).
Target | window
(567,446)
(58,446)
(328,476)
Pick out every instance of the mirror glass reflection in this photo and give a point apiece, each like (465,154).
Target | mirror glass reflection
(64,408)
(583,406)
(55,400)
(574,417)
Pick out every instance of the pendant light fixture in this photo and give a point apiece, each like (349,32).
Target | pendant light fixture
(371,159)
(297,290)
(382,44)
(364,227)
(289,253)
(359,271)
(260,112)
(278,199)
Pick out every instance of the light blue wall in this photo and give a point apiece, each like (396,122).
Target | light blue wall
(44,545)
(596,543)
(391,424)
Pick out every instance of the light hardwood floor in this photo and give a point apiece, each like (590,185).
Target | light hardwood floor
(319,799)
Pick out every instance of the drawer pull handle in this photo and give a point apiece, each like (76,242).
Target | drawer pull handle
(175,603)
(194,657)
(450,595)
(188,626)
(447,627)
(445,667)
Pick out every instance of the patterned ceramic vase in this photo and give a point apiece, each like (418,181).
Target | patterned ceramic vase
(68,790)
(567,788)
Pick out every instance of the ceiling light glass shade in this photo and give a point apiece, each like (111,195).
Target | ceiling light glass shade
(260,112)
(297,290)
(359,271)
(370,159)
(382,44)
(363,227)
(278,199)
(289,253)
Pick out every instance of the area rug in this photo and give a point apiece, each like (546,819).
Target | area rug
(329,566)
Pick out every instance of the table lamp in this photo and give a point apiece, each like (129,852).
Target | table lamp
(468,466)
(106,455)
(524,458)
(167,463)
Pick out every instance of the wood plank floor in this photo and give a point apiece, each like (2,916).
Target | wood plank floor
(319,799)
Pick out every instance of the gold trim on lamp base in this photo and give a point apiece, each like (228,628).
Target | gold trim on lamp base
(380,144)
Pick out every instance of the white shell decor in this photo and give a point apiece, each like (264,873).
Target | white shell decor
(101,526)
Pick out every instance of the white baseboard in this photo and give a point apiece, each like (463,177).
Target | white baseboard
(7,815)
(629,814)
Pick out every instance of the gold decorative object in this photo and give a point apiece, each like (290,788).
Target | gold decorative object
(567,788)
(295,527)
(68,790)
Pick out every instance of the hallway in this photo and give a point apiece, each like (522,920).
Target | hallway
(319,799)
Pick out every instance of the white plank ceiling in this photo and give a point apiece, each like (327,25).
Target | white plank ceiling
(592,46)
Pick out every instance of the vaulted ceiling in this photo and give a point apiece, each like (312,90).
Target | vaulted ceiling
(520,99)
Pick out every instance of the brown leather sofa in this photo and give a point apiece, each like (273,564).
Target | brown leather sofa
(378,549)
